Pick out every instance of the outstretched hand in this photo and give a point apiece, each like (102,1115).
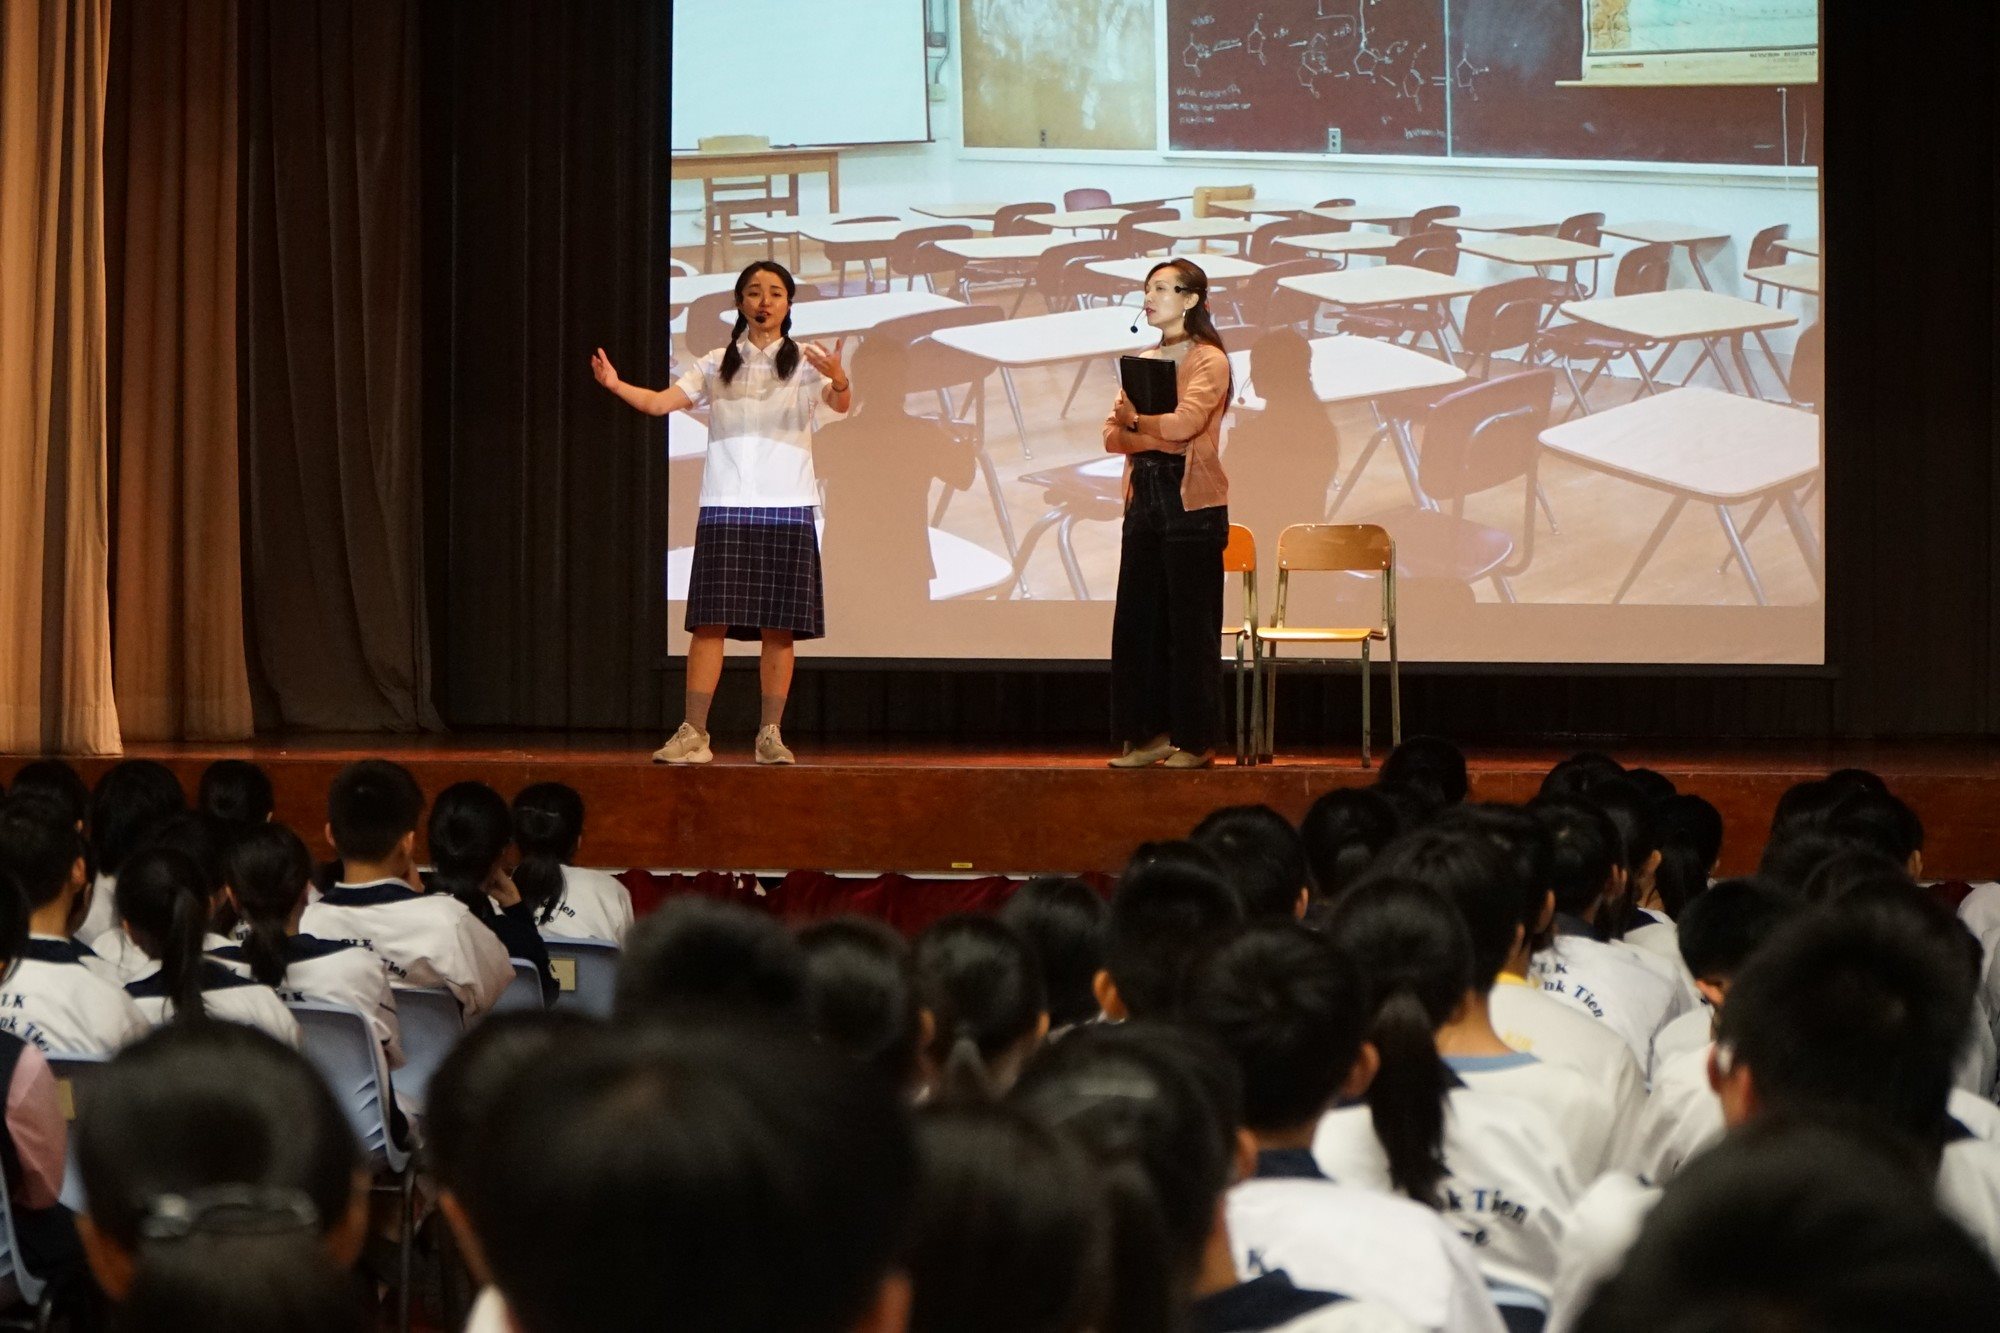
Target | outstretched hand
(600,366)
(825,362)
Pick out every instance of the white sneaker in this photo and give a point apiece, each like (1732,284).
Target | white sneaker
(687,746)
(771,747)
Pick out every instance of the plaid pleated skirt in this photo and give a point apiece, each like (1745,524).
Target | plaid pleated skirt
(757,569)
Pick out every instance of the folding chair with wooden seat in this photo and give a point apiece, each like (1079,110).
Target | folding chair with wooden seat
(1475,439)
(1240,557)
(1764,253)
(1643,269)
(1333,548)
(1082,201)
(914,254)
(725,200)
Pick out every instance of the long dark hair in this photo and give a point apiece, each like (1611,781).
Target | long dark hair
(267,870)
(788,351)
(1200,321)
(469,829)
(983,987)
(548,825)
(163,899)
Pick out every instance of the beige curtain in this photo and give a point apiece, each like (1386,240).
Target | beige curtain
(55,633)
(178,581)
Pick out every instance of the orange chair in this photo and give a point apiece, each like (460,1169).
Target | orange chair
(1240,557)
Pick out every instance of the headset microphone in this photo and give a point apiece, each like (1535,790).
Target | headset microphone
(1135,320)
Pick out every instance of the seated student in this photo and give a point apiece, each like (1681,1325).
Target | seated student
(861,996)
(1468,869)
(1690,833)
(196,837)
(1430,764)
(425,939)
(131,800)
(697,957)
(1011,1228)
(1639,841)
(1261,854)
(981,991)
(1291,1009)
(55,781)
(51,998)
(265,875)
(469,831)
(463,1093)
(223,1187)
(1159,1110)
(1652,784)
(1573,778)
(568,901)
(1341,833)
(164,907)
(1494,1165)
(236,794)
(1853,1010)
(1761,1234)
(1720,932)
(1172,909)
(785,1181)
(1063,921)
(1579,967)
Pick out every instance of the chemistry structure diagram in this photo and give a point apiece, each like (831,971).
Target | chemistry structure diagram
(1338,43)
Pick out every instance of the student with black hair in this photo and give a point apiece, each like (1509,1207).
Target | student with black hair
(223,1187)
(698,957)
(1495,1166)
(1580,966)
(1172,908)
(568,901)
(198,838)
(1431,764)
(463,1092)
(985,1009)
(470,827)
(1064,921)
(1291,1009)
(1690,832)
(1467,868)
(164,906)
(1011,1233)
(55,996)
(266,873)
(1761,1234)
(236,794)
(1639,838)
(1159,1111)
(1261,854)
(425,939)
(1882,818)
(1342,832)
(1575,776)
(861,996)
(1652,784)
(56,781)
(1805,805)
(131,799)
(1792,857)
(784,1181)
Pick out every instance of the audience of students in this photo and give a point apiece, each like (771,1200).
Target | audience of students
(1419,1063)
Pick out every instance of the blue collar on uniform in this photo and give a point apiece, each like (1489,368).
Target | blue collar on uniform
(375,894)
(1261,1303)
(1567,924)
(1488,1064)
(1288,1164)
(214,976)
(44,950)
(298,948)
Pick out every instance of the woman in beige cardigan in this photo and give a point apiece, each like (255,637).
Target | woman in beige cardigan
(1166,631)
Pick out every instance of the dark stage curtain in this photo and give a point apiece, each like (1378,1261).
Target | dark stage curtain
(545,220)
(330,364)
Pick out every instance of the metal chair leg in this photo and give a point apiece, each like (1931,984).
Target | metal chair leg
(1367,720)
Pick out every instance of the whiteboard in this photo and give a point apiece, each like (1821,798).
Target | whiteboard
(800,71)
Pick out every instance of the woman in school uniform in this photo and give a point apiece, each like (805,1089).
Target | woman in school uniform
(756,572)
(1166,691)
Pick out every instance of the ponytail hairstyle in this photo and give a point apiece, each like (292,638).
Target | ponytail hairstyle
(469,830)
(1690,832)
(215,1158)
(163,899)
(984,990)
(1418,963)
(787,360)
(1200,320)
(1156,1108)
(267,870)
(548,826)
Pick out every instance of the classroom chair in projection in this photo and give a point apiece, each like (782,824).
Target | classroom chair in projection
(1129,242)
(1239,557)
(1082,201)
(1426,218)
(1262,245)
(725,200)
(586,974)
(1475,440)
(1764,253)
(1643,269)
(340,1042)
(708,324)
(1263,302)
(1204,195)
(1807,385)
(1584,229)
(1434,250)
(841,253)
(1341,549)
(914,254)
(523,992)
(1091,492)
(1504,318)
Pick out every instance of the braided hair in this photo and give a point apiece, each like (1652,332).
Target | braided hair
(788,351)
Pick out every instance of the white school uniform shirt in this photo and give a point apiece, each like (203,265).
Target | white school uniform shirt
(1547,1028)
(425,939)
(760,429)
(54,1002)
(1583,1112)
(489,1313)
(333,972)
(226,996)
(1692,1031)
(1612,985)
(593,906)
(1507,1187)
(118,958)
(1376,1247)
(102,914)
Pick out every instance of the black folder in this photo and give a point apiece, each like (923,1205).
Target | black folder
(1149,384)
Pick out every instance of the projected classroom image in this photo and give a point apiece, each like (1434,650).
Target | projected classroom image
(1534,285)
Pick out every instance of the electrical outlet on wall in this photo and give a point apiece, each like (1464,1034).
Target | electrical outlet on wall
(1332,139)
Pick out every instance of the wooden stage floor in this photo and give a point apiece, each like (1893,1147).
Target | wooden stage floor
(933,809)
